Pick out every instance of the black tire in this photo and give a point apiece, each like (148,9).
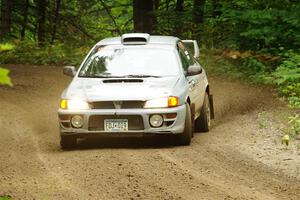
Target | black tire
(186,137)
(67,142)
(202,123)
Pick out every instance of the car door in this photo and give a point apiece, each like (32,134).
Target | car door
(200,89)
(196,82)
(192,80)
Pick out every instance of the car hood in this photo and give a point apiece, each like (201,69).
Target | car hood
(94,89)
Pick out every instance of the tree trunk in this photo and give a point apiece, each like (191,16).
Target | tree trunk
(198,11)
(56,15)
(179,5)
(167,4)
(6,13)
(142,16)
(179,12)
(41,21)
(156,4)
(25,17)
(216,8)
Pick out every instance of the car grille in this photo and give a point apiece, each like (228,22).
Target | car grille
(96,122)
(122,104)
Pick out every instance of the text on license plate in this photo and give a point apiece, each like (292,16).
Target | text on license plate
(116,125)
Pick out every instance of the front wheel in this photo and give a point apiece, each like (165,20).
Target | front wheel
(186,137)
(202,123)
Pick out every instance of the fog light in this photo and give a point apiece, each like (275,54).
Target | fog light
(156,120)
(77,121)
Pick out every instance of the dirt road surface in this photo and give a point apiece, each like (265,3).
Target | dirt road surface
(240,158)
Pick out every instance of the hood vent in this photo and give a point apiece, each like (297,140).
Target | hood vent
(135,38)
(131,80)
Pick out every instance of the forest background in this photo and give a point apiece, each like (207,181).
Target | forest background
(258,39)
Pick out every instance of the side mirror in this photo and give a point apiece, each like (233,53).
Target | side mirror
(69,71)
(194,70)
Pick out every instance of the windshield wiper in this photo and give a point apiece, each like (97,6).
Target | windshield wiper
(100,76)
(123,76)
(141,76)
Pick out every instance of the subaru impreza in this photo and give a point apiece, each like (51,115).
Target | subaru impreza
(136,84)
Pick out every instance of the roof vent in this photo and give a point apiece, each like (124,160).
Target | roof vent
(135,38)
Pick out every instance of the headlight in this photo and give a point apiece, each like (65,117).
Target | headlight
(162,102)
(74,104)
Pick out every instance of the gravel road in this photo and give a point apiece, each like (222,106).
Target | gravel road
(240,158)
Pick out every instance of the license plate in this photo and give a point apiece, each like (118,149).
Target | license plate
(116,125)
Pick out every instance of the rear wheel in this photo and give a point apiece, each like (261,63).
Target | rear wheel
(67,141)
(185,137)
(202,123)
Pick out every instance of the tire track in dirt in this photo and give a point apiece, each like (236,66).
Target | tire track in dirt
(235,176)
(26,157)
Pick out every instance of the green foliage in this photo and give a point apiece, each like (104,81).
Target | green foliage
(4,78)
(6,47)
(259,25)
(287,78)
(294,121)
(57,54)
(254,70)
(5,198)
(284,73)
(253,66)
(294,101)
(78,21)
(264,28)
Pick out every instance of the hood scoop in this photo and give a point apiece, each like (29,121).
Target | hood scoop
(131,80)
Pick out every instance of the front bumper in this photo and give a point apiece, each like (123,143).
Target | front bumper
(140,118)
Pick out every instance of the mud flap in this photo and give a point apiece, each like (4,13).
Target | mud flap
(193,118)
(211,104)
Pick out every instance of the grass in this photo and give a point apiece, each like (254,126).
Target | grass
(6,197)
(294,122)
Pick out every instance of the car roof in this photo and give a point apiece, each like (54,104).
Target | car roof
(153,39)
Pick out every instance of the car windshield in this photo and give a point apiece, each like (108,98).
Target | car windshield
(137,61)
